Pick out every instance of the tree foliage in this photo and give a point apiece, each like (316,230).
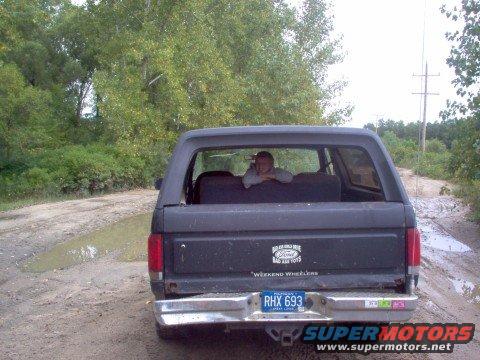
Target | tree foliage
(465,60)
(132,75)
(445,131)
(25,116)
(184,65)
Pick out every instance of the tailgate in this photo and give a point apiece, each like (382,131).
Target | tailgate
(283,246)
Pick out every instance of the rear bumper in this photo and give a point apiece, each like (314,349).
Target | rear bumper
(320,307)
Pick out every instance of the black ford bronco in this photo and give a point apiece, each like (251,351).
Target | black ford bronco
(336,243)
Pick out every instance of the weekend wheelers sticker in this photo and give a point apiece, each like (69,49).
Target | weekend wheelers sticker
(286,254)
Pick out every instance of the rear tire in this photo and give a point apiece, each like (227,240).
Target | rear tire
(169,332)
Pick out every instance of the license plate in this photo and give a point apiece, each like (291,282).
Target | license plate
(283,301)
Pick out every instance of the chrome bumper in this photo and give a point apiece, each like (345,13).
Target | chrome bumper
(320,307)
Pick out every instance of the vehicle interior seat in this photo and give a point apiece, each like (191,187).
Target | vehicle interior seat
(304,188)
(216,173)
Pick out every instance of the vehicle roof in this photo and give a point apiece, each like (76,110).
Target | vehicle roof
(276,129)
(271,136)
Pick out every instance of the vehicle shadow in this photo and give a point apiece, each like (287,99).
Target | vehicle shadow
(208,343)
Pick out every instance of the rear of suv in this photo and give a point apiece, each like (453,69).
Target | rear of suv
(337,243)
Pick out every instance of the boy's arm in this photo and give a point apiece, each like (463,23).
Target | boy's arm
(283,176)
(251,178)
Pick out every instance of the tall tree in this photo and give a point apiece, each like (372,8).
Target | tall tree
(53,43)
(74,37)
(171,66)
(25,116)
(465,60)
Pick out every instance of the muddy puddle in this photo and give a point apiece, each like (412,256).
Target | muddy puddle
(435,237)
(127,238)
(467,289)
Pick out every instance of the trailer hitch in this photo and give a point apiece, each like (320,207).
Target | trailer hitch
(285,334)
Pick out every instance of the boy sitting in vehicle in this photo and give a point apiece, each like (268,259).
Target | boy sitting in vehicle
(263,170)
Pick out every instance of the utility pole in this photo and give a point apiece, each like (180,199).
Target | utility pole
(377,117)
(425,94)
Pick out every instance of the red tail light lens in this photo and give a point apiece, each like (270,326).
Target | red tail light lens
(155,253)
(413,247)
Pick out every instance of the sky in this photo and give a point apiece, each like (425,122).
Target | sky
(382,42)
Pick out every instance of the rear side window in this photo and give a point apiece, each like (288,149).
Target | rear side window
(360,169)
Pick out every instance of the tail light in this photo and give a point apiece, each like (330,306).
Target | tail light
(155,256)
(413,251)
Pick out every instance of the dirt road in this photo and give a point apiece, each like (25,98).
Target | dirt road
(102,308)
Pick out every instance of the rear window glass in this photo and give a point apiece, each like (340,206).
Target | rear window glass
(359,167)
(281,175)
(237,161)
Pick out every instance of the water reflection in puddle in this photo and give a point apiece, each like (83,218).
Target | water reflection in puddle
(467,289)
(85,253)
(128,237)
(433,236)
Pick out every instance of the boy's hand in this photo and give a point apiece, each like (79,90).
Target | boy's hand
(268,176)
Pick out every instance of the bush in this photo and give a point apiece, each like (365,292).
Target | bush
(459,164)
(433,163)
(38,179)
(94,168)
(435,146)
(76,169)
(470,192)
(465,162)
(403,152)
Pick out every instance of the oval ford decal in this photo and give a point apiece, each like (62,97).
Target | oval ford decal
(286,254)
